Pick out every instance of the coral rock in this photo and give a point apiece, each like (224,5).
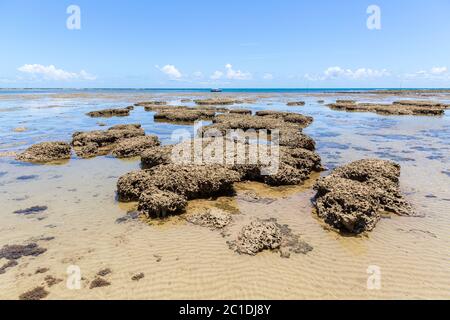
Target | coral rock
(46,152)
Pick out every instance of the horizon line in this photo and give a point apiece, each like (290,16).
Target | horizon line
(209,88)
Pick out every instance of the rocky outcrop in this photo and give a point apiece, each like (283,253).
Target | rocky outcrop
(45,152)
(181,109)
(89,150)
(224,122)
(190,181)
(209,166)
(343,101)
(212,218)
(133,147)
(184,115)
(161,108)
(260,235)
(241,111)
(421,103)
(151,103)
(353,197)
(257,236)
(223,101)
(108,113)
(289,117)
(294,165)
(289,127)
(155,203)
(290,132)
(407,107)
(131,185)
(100,142)
(155,156)
(296,103)
(164,190)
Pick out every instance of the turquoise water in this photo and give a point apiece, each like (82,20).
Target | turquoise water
(193,90)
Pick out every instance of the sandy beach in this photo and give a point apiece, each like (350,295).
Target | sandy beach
(76,215)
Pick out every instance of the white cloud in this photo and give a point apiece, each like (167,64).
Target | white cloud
(227,74)
(268,76)
(438,70)
(435,73)
(338,72)
(86,76)
(217,75)
(52,73)
(237,74)
(171,71)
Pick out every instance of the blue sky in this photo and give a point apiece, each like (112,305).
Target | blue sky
(238,44)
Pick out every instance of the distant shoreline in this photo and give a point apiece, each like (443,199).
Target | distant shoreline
(240,90)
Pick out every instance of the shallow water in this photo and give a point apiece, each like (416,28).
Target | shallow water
(184,261)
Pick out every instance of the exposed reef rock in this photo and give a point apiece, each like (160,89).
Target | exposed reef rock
(212,218)
(353,197)
(99,142)
(160,204)
(289,126)
(190,181)
(223,101)
(164,190)
(209,166)
(89,150)
(184,115)
(131,185)
(46,152)
(290,117)
(133,147)
(293,138)
(223,122)
(161,108)
(346,101)
(107,113)
(293,165)
(155,156)
(406,107)
(151,103)
(268,234)
(182,109)
(241,111)
(257,236)
(421,103)
(296,103)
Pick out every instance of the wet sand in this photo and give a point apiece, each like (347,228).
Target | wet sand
(185,261)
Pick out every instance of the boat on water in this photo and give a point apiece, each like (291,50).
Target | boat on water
(216,90)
